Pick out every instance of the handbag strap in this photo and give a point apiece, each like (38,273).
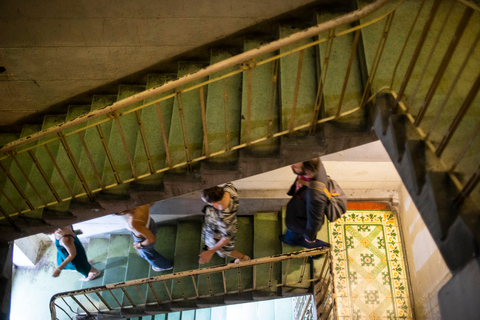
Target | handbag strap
(317,185)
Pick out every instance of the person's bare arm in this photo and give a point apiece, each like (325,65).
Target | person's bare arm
(140,229)
(205,256)
(68,244)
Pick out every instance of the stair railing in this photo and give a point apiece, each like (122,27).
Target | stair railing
(237,279)
(450,131)
(303,308)
(45,192)
(413,100)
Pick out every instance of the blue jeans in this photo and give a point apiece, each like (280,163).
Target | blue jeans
(297,239)
(149,253)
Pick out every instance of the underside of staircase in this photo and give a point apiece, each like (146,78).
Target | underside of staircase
(78,170)
(208,131)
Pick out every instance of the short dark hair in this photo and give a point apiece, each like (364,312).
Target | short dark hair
(312,165)
(214,194)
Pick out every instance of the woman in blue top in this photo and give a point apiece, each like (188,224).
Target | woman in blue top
(71,255)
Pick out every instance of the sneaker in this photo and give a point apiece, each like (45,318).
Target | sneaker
(244,258)
(156,269)
(317,244)
(292,239)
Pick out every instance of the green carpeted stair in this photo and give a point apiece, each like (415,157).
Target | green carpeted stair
(114,159)
(257,237)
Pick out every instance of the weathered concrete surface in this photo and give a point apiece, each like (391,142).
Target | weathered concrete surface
(54,51)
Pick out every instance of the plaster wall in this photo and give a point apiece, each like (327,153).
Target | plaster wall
(427,269)
(55,50)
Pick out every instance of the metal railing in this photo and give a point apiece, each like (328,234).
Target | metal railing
(59,187)
(303,308)
(454,38)
(448,109)
(289,273)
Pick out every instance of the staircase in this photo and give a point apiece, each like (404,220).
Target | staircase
(257,237)
(244,111)
(220,120)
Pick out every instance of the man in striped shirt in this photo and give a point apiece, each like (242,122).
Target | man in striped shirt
(220,226)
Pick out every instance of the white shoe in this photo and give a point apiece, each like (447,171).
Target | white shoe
(244,258)
(156,269)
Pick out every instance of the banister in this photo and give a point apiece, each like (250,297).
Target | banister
(235,60)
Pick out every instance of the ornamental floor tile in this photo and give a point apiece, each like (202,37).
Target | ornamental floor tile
(370,276)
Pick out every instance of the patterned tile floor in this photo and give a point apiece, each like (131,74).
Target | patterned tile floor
(370,276)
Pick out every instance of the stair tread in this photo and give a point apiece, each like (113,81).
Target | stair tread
(266,310)
(305,103)
(223,109)
(192,119)
(174,316)
(244,244)
(47,166)
(187,248)
(294,266)
(262,110)
(188,315)
(119,152)
(137,268)
(203,314)
(266,232)
(95,147)
(116,266)
(336,72)
(165,245)
(63,161)
(4,139)
(283,309)
(26,165)
(97,254)
(215,282)
(154,137)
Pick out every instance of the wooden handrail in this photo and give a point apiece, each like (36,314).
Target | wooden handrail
(230,62)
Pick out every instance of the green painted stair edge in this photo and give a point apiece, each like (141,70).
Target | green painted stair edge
(4,139)
(267,228)
(150,118)
(46,165)
(165,245)
(97,255)
(192,119)
(116,266)
(122,143)
(305,102)
(244,244)
(137,268)
(187,249)
(68,171)
(263,110)
(95,147)
(294,275)
(223,110)
(336,72)
(15,201)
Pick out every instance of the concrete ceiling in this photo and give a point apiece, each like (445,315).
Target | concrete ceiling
(55,50)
